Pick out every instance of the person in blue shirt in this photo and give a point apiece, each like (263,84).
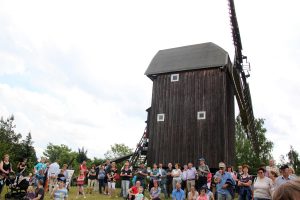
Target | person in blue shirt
(178,193)
(224,182)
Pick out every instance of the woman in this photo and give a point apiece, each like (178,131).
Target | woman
(112,179)
(155,191)
(273,175)
(126,174)
(5,169)
(92,176)
(232,173)
(154,176)
(193,194)
(262,186)
(244,184)
(176,174)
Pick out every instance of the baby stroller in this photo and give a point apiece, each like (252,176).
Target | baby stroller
(17,186)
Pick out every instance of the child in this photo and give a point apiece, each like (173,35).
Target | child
(203,195)
(40,191)
(140,195)
(80,183)
(60,192)
(30,193)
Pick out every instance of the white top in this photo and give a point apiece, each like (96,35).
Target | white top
(262,187)
(190,196)
(176,173)
(53,169)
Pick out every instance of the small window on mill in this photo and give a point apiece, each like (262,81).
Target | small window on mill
(174,77)
(160,117)
(201,115)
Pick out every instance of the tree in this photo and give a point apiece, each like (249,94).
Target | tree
(293,157)
(61,153)
(82,155)
(10,143)
(244,151)
(117,150)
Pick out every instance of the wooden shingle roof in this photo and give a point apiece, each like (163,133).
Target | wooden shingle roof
(193,57)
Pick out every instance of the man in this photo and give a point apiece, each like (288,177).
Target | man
(142,174)
(191,175)
(162,179)
(169,179)
(134,190)
(224,183)
(203,171)
(178,193)
(53,172)
(285,177)
(272,167)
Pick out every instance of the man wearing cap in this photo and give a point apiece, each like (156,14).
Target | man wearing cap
(285,177)
(203,171)
(224,181)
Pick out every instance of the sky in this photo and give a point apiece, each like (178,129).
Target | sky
(72,72)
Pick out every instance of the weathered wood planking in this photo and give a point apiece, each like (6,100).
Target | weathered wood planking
(181,137)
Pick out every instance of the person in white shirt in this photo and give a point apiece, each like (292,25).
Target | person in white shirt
(262,186)
(53,171)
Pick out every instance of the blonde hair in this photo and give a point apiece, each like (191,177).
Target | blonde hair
(288,191)
(30,189)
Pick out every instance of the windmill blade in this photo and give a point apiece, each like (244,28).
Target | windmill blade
(242,90)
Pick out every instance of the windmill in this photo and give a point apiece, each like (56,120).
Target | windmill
(193,101)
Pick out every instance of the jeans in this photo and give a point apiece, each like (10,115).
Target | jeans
(224,197)
(125,187)
(101,185)
(255,198)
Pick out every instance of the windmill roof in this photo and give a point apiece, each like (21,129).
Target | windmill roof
(193,57)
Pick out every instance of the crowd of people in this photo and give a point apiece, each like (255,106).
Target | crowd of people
(191,182)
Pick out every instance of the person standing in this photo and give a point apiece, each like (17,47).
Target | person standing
(191,176)
(154,175)
(92,177)
(5,169)
(262,186)
(176,174)
(224,181)
(112,179)
(101,177)
(244,183)
(169,179)
(141,175)
(203,171)
(53,171)
(285,177)
(126,174)
(163,179)
(272,167)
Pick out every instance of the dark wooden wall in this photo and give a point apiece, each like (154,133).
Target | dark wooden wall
(181,137)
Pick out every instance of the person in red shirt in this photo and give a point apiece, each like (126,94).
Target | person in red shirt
(83,168)
(134,190)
